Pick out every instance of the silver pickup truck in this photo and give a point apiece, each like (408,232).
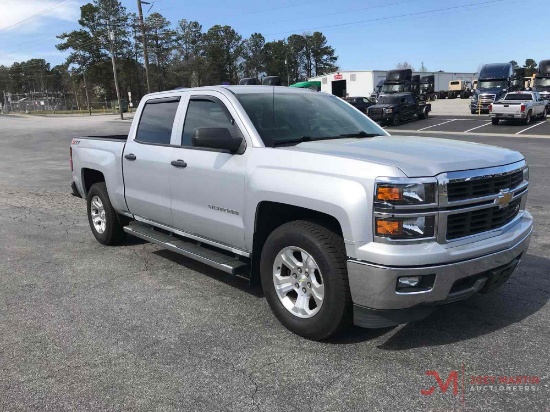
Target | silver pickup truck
(523,106)
(297,190)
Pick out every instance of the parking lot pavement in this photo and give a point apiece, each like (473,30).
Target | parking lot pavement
(479,124)
(135,327)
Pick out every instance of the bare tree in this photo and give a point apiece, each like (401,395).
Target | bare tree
(404,65)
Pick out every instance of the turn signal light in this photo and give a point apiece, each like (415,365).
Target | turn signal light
(388,227)
(389,193)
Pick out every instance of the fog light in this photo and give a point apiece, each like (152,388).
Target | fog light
(415,284)
(408,282)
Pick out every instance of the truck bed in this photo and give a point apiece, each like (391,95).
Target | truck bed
(104,154)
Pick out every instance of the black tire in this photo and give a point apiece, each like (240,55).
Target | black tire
(328,251)
(527,120)
(473,111)
(494,120)
(395,120)
(382,123)
(113,233)
(424,114)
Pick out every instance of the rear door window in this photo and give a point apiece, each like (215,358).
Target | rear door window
(157,120)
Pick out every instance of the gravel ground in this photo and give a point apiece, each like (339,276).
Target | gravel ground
(88,327)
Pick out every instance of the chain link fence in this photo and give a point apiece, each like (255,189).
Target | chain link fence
(59,103)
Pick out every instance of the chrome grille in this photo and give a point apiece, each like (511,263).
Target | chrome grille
(487,98)
(483,186)
(473,202)
(481,220)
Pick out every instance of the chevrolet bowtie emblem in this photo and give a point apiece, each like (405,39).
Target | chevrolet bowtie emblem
(504,198)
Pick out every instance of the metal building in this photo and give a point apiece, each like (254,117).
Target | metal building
(363,82)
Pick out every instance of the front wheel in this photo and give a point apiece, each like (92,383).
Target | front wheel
(494,120)
(104,220)
(396,120)
(305,280)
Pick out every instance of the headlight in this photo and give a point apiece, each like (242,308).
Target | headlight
(405,194)
(526,174)
(388,110)
(404,228)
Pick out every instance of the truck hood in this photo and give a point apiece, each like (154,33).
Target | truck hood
(496,90)
(415,156)
(382,106)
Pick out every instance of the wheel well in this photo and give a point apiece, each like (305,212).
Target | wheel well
(91,177)
(271,215)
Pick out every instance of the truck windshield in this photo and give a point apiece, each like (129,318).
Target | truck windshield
(297,117)
(542,82)
(388,100)
(392,88)
(518,96)
(491,84)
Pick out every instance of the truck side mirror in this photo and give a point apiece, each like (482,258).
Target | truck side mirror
(217,138)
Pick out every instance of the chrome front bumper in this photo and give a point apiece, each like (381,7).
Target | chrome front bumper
(373,286)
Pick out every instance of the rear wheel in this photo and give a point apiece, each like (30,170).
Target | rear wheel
(104,220)
(527,120)
(494,120)
(473,111)
(423,114)
(305,281)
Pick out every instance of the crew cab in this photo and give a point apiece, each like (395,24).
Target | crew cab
(522,106)
(396,108)
(297,190)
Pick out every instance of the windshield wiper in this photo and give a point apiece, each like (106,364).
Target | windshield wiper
(303,139)
(360,134)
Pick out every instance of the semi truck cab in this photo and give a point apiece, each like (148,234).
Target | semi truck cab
(494,81)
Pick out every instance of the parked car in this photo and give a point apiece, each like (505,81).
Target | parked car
(361,103)
(395,108)
(522,106)
(339,221)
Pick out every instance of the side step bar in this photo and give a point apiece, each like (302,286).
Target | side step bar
(219,260)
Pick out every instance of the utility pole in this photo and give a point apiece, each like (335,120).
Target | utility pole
(144,40)
(111,44)
(83,67)
(87,96)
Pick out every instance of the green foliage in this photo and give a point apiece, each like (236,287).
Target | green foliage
(184,55)
(531,66)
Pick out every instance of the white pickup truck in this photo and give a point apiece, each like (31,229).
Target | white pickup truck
(299,190)
(522,106)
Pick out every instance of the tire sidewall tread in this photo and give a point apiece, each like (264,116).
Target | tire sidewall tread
(114,233)
(328,251)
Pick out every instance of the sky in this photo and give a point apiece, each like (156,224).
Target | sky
(454,36)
